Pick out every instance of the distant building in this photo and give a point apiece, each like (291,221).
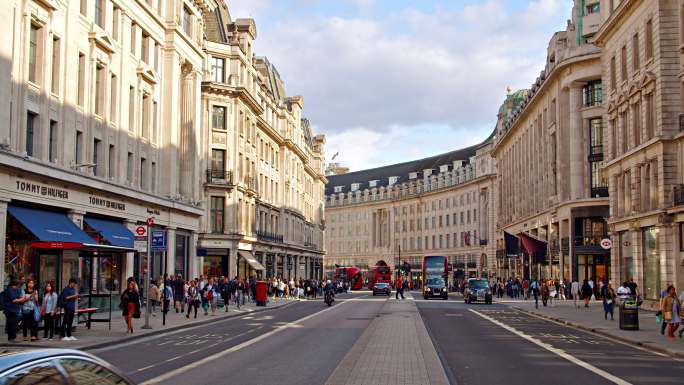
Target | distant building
(335,169)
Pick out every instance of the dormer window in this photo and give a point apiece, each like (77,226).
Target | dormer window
(443,168)
(393,180)
(339,189)
(355,186)
(373,183)
(413,175)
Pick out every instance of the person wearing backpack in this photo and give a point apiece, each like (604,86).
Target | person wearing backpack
(12,297)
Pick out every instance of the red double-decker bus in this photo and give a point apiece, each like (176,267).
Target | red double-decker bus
(351,275)
(379,273)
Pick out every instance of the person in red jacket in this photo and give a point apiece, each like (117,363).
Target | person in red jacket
(399,287)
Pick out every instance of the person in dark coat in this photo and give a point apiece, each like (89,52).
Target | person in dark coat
(587,291)
(130,304)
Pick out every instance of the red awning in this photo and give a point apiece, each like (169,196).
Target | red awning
(533,245)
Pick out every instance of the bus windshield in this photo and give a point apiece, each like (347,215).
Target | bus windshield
(434,271)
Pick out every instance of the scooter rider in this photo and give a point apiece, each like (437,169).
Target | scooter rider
(329,290)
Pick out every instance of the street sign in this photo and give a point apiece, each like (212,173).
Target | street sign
(158,242)
(606,243)
(150,221)
(140,245)
(141,231)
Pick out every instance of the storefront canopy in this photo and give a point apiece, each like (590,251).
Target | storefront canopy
(49,226)
(251,260)
(511,244)
(534,246)
(113,232)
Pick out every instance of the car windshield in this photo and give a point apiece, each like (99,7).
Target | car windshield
(478,284)
(381,285)
(435,281)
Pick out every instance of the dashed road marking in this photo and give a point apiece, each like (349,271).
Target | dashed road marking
(559,352)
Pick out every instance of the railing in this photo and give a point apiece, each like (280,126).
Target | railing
(599,192)
(269,237)
(250,183)
(219,177)
(678,194)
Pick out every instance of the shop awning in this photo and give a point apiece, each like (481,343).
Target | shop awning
(534,246)
(53,230)
(251,260)
(113,232)
(511,244)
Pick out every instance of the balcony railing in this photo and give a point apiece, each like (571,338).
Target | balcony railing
(251,183)
(596,153)
(219,177)
(678,194)
(269,237)
(599,192)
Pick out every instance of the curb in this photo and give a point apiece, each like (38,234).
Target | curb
(98,345)
(603,333)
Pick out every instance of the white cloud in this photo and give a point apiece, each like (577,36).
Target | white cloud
(365,75)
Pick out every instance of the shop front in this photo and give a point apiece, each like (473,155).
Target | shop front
(248,266)
(214,262)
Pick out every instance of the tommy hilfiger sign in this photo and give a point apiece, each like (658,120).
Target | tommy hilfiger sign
(106,203)
(42,190)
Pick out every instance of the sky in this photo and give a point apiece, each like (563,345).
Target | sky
(389,81)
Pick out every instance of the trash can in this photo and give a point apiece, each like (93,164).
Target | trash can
(629,315)
(261,293)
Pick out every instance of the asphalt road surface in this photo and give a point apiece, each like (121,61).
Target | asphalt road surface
(494,344)
(299,344)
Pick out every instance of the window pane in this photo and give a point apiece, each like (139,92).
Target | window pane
(40,374)
(33,48)
(87,373)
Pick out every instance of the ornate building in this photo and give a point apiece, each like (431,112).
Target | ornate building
(264,184)
(100,101)
(549,152)
(441,205)
(642,67)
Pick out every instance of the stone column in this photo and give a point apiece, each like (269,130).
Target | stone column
(187,139)
(3,231)
(170,251)
(295,266)
(576,133)
(232,261)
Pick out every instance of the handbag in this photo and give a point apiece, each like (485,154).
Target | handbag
(659,318)
(36,313)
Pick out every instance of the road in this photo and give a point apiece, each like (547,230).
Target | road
(304,343)
(494,344)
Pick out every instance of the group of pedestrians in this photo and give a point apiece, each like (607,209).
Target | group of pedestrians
(25,307)
(670,311)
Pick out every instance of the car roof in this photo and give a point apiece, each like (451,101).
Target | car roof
(13,356)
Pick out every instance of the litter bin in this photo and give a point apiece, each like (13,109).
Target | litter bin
(629,315)
(261,293)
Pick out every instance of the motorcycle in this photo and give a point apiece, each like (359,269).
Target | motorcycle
(328,298)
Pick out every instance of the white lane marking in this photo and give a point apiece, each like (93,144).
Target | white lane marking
(294,324)
(559,352)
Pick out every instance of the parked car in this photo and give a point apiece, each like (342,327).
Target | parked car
(477,290)
(56,366)
(382,288)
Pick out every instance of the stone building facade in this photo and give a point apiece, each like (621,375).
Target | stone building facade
(549,153)
(442,205)
(107,110)
(99,100)
(264,183)
(641,63)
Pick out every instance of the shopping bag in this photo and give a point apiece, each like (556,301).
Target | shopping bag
(659,318)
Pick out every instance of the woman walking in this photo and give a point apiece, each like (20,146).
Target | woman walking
(672,308)
(28,309)
(49,310)
(609,297)
(193,298)
(587,291)
(130,304)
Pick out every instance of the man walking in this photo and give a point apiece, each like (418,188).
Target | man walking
(534,286)
(12,298)
(400,289)
(575,291)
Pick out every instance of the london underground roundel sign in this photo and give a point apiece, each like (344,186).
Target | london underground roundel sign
(606,243)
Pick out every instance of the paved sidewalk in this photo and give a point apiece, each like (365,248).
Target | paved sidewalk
(395,349)
(591,319)
(100,335)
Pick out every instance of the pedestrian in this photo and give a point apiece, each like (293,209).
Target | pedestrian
(575,292)
(226,290)
(534,286)
(609,296)
(69,297)
(240,290)
(633,287)
(587,292)
(661,304)
(130,305)
(211,297)
(526,289)
(672,309)
(624,292)
(29,324)
(13,298)
(179,294)
(49,311)
(545,293)
(154,297)
(193,298)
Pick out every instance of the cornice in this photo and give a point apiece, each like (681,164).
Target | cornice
(614,21)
